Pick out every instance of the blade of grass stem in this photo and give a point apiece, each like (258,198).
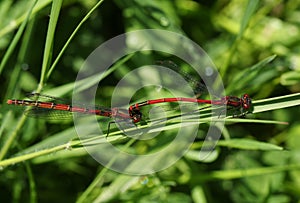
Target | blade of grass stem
(242,173)
(100,176)
(55,10)
(16,39)
(71,37)
(11,26)
(250,9)
(276,103)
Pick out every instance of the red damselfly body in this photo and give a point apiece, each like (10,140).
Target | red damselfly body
(54,108)
(242,104)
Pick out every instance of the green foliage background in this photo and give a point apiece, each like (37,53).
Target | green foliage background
(43,44)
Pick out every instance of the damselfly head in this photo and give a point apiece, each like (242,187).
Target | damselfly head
(135,115)
(246,101)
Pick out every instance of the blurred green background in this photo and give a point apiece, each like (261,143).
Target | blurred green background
(254,162)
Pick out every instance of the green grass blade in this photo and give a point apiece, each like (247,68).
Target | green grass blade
(246,144)
(12,137)
(13,25)
(290,78)
(251,77)
(86,82)
(13,87)
(98,180)
(16,39)
(242,173)
(55,10)
(32,185)
(276,103)
(71,37)
(21,158)
(250,9)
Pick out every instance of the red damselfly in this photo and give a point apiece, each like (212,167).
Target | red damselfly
(243,104)
(54,108)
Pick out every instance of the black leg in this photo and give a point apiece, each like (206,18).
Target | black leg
(108,127)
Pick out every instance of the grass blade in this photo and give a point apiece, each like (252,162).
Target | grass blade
(56,7)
